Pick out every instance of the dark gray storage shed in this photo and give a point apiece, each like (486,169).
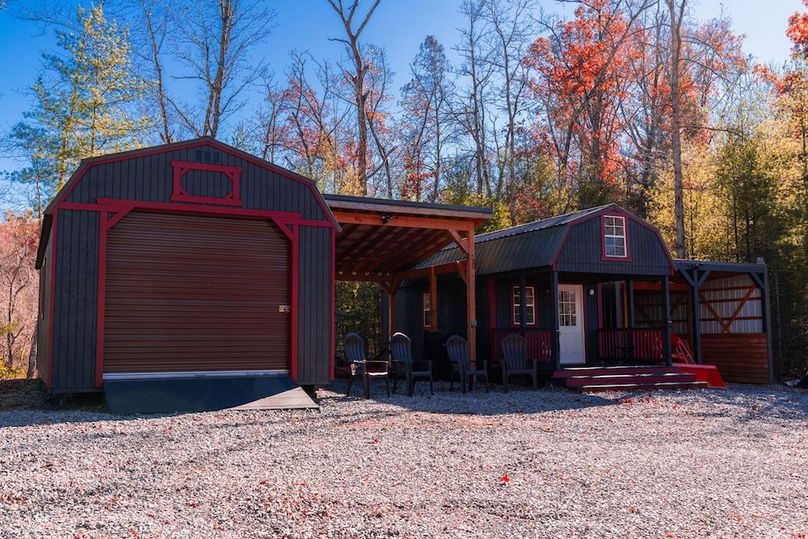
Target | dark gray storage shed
(185,260)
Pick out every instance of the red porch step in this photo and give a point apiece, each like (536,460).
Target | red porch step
(626,378)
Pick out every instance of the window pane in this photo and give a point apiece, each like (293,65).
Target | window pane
(615,246)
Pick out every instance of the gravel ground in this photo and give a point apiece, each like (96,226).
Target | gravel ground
(545,463)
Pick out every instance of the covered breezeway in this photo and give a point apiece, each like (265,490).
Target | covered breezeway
(381,241)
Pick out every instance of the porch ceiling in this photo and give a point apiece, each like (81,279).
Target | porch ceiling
(382,238)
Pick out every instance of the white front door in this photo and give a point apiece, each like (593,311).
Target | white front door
(571,323)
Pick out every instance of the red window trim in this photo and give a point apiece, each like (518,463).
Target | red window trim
(604,256)
(513,306)
(233,174)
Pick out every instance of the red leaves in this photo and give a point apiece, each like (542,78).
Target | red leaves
(798,31)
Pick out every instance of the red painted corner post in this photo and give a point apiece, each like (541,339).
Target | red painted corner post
(294,314)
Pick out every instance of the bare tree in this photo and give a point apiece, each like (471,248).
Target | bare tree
(676,14)
(154,30)
(470,109)
(424,100)
(512,34)
(356,77)
(214,44)
(18,284)
(378,117)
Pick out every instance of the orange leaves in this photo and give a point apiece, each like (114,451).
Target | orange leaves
(797,32)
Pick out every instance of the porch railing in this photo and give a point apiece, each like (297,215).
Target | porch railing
(644,344)
(539,344)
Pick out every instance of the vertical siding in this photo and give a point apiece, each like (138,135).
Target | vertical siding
(725,295)
(44,316)
(149,178)
(583,251)
(315,311)
(75,295)
(408,314)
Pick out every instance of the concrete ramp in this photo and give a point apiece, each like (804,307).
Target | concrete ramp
(205,393)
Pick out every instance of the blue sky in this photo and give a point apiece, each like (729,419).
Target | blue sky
(398,25)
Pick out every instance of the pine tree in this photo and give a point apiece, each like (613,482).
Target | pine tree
(83,105)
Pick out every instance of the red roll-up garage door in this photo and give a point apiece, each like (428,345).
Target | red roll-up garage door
(190,293)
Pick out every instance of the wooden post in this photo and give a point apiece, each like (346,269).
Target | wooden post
(630,318)
(695,314)
(666,321)
(766,311)
(556,326)
(471,302)
(433,300)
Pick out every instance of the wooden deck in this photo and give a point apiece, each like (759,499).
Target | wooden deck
(626,378)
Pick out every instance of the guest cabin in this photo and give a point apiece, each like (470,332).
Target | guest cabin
(601,280)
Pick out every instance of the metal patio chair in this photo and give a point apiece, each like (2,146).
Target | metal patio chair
(360,365)
(515,359)
(404,365)
(458,349)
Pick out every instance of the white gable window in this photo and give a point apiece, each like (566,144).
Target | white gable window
(614,237)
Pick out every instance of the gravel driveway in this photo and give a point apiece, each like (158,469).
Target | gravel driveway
(542,463)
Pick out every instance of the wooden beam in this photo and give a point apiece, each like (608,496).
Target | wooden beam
(405,221)
(470,214)
(471,300)
(440,269)
(357,246)
(461,242)
(405,252)
(695,314)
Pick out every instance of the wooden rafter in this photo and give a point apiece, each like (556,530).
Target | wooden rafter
(404,221)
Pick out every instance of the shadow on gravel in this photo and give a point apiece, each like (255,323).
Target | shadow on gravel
(519,400)
(759,402)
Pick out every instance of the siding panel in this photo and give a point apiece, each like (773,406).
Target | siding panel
(314,305)
(75,298)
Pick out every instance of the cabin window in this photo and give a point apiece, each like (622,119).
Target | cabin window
(427,310)
(530,306)
(614,236)
(567,315)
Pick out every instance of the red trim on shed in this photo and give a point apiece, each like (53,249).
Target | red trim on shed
(333,359)
(203,141)
(180,194)
(294,315)
(102,297)
(283,220)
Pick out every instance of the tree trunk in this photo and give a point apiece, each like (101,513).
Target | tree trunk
(676,124)
(154,43)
